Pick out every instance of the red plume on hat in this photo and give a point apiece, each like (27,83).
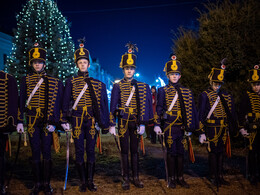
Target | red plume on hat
(81,52)
(131,47)
(129,59)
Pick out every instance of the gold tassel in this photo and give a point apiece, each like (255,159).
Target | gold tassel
(24,139)
(10,146)
(99,144)
(228,146)
(191,153)
(142,144)
(56,142)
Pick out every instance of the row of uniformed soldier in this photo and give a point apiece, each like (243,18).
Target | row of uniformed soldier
(42,97)
(216,118)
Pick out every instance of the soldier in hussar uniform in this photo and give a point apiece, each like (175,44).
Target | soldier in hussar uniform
(40,97)
(217,118)
(176,109)
(131,100)
(8,117)
(89,114)
(249,114)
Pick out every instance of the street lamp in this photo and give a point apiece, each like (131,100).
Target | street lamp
(137,74)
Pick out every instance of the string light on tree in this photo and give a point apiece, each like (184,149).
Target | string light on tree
(41,21)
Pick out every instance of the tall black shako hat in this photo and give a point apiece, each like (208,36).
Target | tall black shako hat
(217,74)
(81,52)
(37,53)
(254,75)
(129,59)
(172,66)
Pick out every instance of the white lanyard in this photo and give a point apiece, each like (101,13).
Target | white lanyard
(213,107)
(173,102)
(34,90)
(130,96)
(79,97)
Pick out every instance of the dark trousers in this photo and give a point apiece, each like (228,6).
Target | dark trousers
(152,134)
(217,146)
(254,158)
(41,141)
(90,136)
(124,137)
(3,139)
(173,141)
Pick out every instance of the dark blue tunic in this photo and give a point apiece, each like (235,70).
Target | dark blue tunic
(85,115)
(8,102)
(183,116)
(217,125)
(138,112)
(44,108)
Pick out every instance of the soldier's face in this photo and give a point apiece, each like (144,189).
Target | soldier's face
(216,86)
(129,72)
(38,65)
(174,77)
(256,87)
(83,65)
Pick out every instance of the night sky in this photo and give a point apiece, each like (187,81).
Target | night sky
(109,25)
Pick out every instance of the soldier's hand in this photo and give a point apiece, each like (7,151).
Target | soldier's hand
(202,138)
(243,132)
(157,130)
(112,130)
(50,128)
(188,134)
(141,129)
(20,128)
(66,126)
(97,127)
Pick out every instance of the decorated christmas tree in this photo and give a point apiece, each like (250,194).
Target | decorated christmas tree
(40,21)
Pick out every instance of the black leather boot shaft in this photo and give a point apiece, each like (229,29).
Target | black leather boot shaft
(90,175)
(36,169)
(47,170)
(125,172)
(135,170)
(81,171)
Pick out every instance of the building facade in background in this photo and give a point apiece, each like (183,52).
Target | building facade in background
(5,48)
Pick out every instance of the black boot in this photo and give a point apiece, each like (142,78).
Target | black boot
(171,169)
(135,170)
(125,172)
(90,175)
(180,166)
(153,135)
(2,176)
(81,171)
(252,167)
(36,168)
(213,174)
(47,166)
(221,179)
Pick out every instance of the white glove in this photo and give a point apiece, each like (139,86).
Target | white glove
(141,129)
(157,130)
(112,130)
(202,138)
(66,126)
(188,134)
(50,128)
(97,127)
(20,128)
(243,132)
